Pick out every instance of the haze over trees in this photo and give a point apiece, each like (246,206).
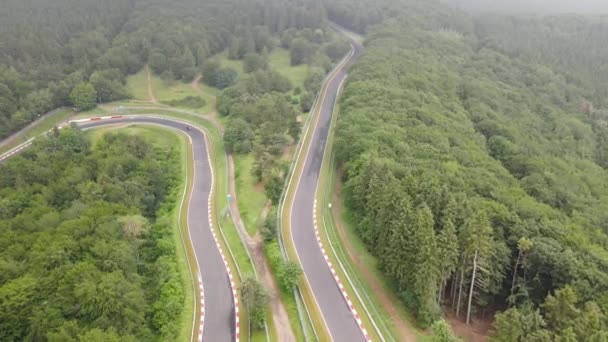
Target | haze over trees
(474,162)
(534,6)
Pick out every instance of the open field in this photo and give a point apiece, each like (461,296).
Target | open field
(138,86)
(279,61)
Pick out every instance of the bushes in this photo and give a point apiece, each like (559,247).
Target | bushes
(217,76)
(255,298)
(188,101)
(287,272)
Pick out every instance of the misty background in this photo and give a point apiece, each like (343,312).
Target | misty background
(534,6)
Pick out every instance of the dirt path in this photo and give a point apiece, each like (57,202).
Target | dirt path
(150,92)
(387,299)
(255,246)
(195,81)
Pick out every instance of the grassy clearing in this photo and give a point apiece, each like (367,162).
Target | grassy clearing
(167,139)
(251,197)
(178,90)
(48,122)
(235,64)
(280,61)
(137,85)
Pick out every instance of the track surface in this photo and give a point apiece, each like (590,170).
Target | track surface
(336,313)
(219,305)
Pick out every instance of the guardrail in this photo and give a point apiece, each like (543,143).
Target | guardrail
(287,185)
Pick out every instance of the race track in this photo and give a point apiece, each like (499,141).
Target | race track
(218,319)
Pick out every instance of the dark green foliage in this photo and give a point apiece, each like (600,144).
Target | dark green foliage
(300,51)
(336,50)
(442,332)
(306,101)
(269,228)
(84,96)
(564,318)
(288,275)
(255,299)
(274,188)
(82,254)
(287,272)
(254,61)
(188,101)
(44,44)
(313,80)
(220,77)
(108,86)
(238,136)
(499,131)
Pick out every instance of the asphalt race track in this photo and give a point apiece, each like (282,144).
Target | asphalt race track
(218,297)
(336,313)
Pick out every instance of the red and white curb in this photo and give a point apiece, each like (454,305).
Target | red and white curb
(235,297)
(97,118)
(201,290)
(217,243)
(336,277)
(17,149)
(28,143)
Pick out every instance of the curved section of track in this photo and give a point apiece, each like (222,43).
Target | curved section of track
(219,309)
(337,310)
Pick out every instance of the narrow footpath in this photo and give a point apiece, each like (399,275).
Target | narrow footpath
(150,92)
(255,246)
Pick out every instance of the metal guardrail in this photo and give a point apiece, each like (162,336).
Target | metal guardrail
(290,174)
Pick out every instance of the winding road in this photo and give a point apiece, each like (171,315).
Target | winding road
(219,300)
(218,294)
(338,314)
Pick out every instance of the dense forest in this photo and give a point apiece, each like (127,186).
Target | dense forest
(48,48)
(475,163)
(86,246)
(59,219)
(78,53)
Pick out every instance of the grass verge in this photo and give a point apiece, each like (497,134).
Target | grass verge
(251,197)
(46,123)
(376,334)
(313,310)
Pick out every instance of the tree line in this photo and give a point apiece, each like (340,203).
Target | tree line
(476,174)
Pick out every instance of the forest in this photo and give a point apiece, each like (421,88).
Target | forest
(78,53)
(474,158)
(86,245)
(474,151)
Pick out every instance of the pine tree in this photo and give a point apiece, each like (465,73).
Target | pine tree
(523,246)
(447,245)
(424,263)
(477,243)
